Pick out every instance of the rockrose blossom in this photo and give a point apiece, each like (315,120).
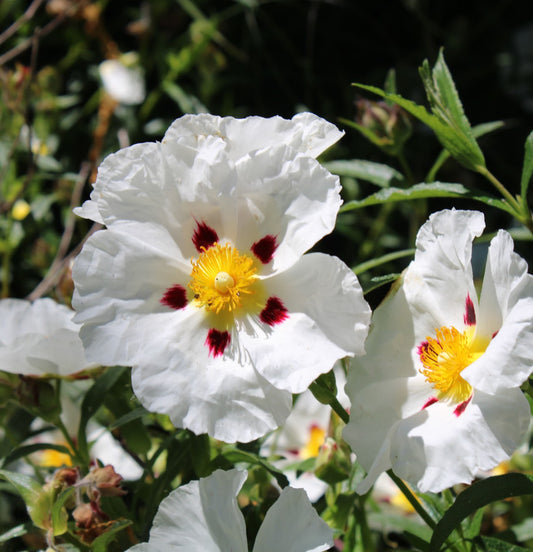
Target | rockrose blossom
(124,83)
(203,516)
(39,339)
(200,281)
(437,396)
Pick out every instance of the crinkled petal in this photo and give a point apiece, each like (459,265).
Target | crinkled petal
(39,338)
(305,132)
(292,525)
(292,199)
(506,309)
(202,516)
(327,320)
(223,396)
(440,278)
(436,449)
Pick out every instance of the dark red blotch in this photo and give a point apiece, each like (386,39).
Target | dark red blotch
(204,236)
(274,312)
(217,341)
(265,248)
(470,314)
(461,407)
(175,297)
(429,402)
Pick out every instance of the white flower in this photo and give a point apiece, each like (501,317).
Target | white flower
(124,84)
(203,516)
(437,397)
(39,338)
(199,281)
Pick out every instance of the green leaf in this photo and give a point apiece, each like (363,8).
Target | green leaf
(92,402)
(29,449)
(100,543)
(17,531)
(371,136)
(135,414)
(379,281)
(372,263)
(377,173)
(527,169)
(38,502)
(423,190)
(477,496)
(236,455)
(59,513)
(491,544)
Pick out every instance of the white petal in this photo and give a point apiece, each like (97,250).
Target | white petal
(292,525)
(506,309)
(201,516)
(327,320)
(440,277)
(223,396)
(39,338)
(294,199)
(436,449)
(305,132)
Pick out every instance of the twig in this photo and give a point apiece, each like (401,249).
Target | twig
(26,16)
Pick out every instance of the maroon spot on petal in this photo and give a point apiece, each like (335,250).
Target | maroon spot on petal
(217,341)
(175,297)
(470,314)
(495,334)
(461,407)
(274,312)
(204,236)
(429,402)
(264,248)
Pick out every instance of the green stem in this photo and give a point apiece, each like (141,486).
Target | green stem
(500,187)
(339,410)
(415,503)
(406,168)
(71,444)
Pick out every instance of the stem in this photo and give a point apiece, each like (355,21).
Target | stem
(337,407)
(500,187)
(70,442)
(406,168)
(415,503)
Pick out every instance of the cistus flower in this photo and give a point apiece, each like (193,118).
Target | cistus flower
(39,339)
(199,280)
(203,516)
(437,396)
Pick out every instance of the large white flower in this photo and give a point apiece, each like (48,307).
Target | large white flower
(199,281)
(437,397)
(39,338)
(203,516)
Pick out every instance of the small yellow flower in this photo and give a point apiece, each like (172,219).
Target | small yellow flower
(21,209)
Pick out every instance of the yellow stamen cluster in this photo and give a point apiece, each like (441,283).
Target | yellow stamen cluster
(317,435)
(221,278)
(444,358)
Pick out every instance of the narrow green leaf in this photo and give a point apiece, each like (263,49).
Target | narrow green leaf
(17,531)
(527,169)
(423,190)
(38,503)
(135,414)
(456,142)
(379,281)
(93,400)
(59,513)
(29,449)
(491,544)
(100,543)
(372,263)
(477,496)
(377,173)
(235,455)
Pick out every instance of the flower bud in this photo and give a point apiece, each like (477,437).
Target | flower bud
(389,125)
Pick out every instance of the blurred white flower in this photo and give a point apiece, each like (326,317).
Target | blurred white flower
(200,281)
(124,84)
(39,338)
(437,396)
(203,516)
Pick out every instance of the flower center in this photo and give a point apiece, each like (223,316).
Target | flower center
(444,358)
(317,435)
(221,278)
